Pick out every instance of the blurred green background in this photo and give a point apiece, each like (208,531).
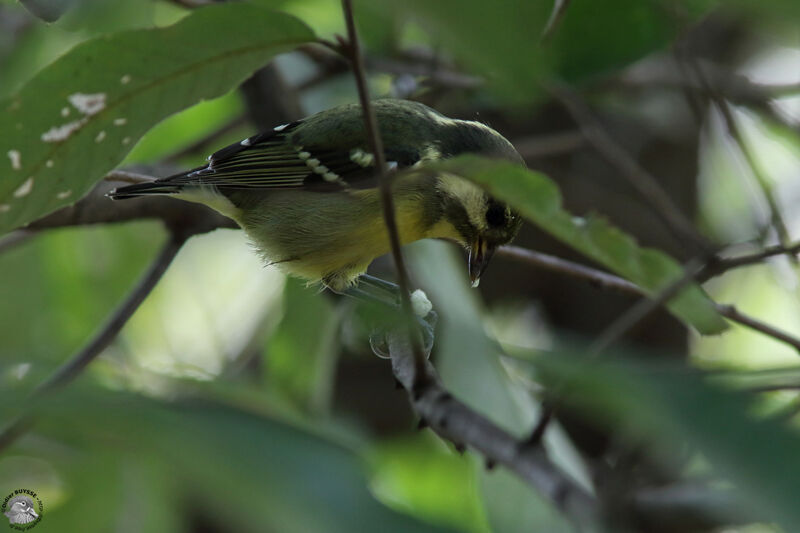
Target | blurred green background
(238,400)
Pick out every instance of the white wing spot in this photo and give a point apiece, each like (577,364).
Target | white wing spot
(245,142)
(24,189)
(49,163)
(280,128)
(5,208)
(64,195)
(360,157)
(61,133)
(88,104)
(65,111)
(16,161)
(120,121)
(100,136)
(126,79)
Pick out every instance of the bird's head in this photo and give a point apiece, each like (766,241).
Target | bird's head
(481,222)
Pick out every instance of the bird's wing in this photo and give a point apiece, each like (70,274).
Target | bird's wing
(272,161)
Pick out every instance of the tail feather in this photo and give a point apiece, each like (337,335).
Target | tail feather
(144,189)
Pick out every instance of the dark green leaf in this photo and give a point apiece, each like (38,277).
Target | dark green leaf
(77,118)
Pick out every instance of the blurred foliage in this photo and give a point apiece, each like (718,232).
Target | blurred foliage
(216,409)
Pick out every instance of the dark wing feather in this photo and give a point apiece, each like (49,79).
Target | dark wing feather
(271,161)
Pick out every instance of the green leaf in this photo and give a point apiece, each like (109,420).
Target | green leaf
(234,466)
(80,116)
(667,406)
(538,199)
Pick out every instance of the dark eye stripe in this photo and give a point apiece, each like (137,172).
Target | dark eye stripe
(496,214)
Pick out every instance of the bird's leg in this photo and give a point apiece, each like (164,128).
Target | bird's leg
(384,293)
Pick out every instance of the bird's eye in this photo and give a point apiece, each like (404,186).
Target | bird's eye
(496,214)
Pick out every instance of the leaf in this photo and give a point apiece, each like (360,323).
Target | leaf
(81,115)
(538,199)
(667,405)
(48,10)
(502,40)
(232,466)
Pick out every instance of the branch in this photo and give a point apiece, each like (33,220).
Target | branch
(454,421)
(384,184)
(604,280)
(95,208)
(72,368)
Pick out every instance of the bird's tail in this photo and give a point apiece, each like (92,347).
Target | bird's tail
(144,189)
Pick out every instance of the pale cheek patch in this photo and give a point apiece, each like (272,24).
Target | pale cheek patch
(469,195)
(362,158)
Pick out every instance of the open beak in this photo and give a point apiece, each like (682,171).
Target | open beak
(479,255)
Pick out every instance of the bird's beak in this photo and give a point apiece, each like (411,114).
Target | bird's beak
(479,255)
(33,513)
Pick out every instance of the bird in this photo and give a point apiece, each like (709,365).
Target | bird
(306,192)
(20,510)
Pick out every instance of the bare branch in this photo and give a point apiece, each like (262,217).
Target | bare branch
(14,239)
(605,280)
(456,422)
(384,185)
(95,208)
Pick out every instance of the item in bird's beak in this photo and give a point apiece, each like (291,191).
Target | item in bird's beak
(479,255)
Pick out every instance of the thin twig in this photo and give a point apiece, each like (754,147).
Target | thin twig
(556,15)
(644,308)
(640,179)
(384,184)
(73,367)
(627,321)
(604,280)
(735,133)
(725,264)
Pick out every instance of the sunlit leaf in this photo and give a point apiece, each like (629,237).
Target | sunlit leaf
(77,118)
(538,199)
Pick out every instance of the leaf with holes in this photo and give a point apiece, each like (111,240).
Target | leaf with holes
(80,116)
(538,199)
